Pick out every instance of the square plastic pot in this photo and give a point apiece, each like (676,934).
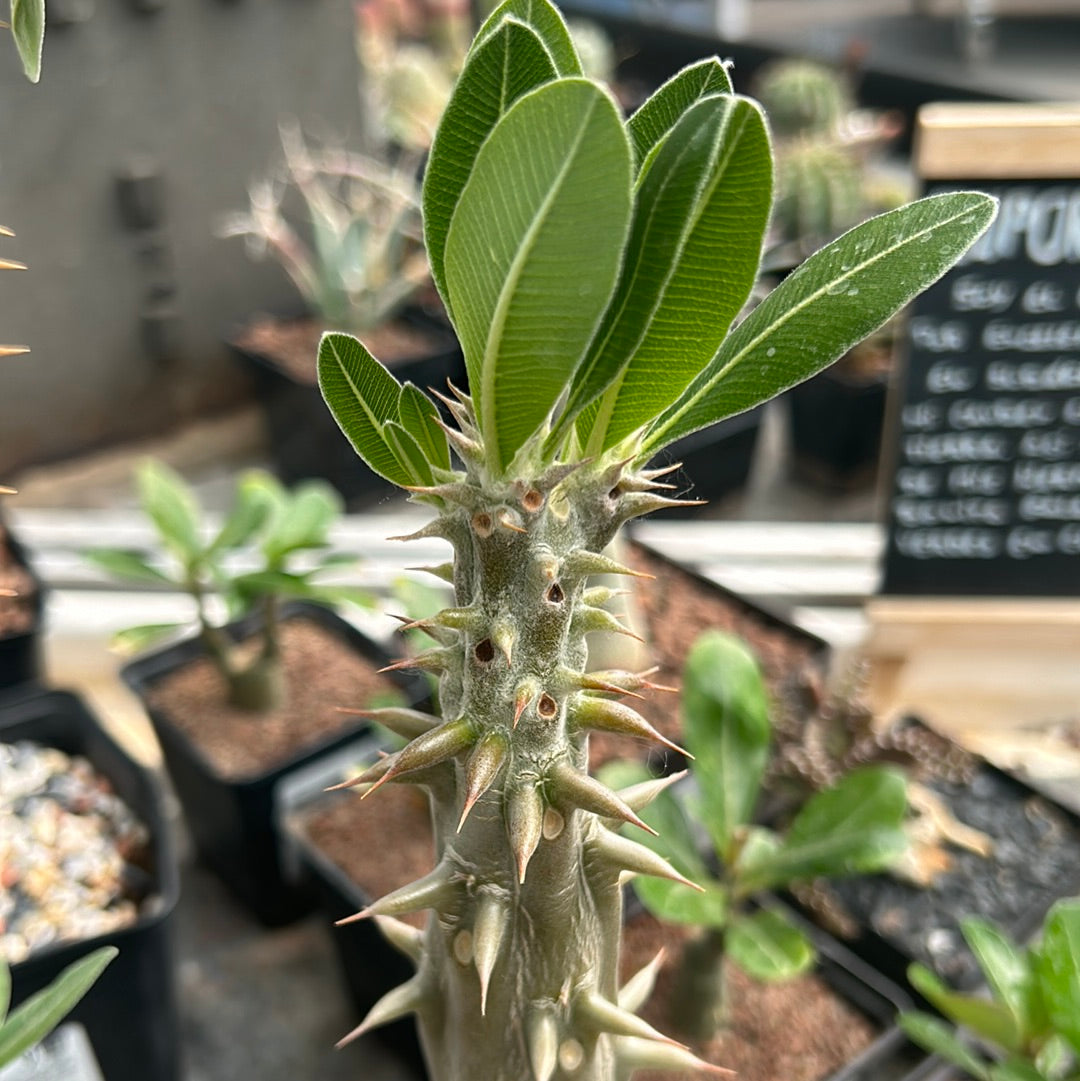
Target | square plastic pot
(232,822)
(130,1014)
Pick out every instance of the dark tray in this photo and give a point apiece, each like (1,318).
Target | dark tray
(20,654)
(130,1014)
(232,822)
(305,440)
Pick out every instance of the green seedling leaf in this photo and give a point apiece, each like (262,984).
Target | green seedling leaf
(41,1013)
(28,29)
(651,123)
(835,299)
(258,497)
(1055,1058)
(990,1020)
(524,322)
(935,1036)
(499,69)
(303,522)
(675,903)
(409,454)
(136,639)
(766,946)
(726,727)
(851,828)
(335,595)
(545,21)
(1007,971)
(363,397)
(125,563)
(170,503)
(1057,964)
(1015,1070)
(700,211)
(419,417)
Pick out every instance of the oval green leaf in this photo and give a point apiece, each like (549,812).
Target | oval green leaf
(768,948)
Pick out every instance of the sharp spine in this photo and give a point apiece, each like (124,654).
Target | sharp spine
(639,796)
(542,1037)
(588,620)
(443,571)
(489,930)
(436,660)
(587,793)
(435,890)
(633,1053)
(482,767)
(405,999)
(627,855)
(636,991)
(407,723)
(595,1013)
(524,823)
(433,747)
(503,636)
(608,716)
(636,504)
(525,693)
(402,936)
(581,563)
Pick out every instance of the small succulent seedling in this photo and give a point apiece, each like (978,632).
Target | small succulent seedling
(1028,1027)
(593,268)
(851,827)
(31,1022)
(270,528)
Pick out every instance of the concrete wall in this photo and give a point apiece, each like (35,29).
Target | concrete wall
(199,85)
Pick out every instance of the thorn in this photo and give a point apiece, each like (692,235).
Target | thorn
(465,446)
(627,855)
(402,936)
(637,504)
(445,571)
(429,749)
(465,399)
(407,723)
(436,888)
(504,636)
(482,768)
(633,1053)
(454,619)
(591,620)
(431,660)
(11,264)
(588,794)
(464,495)
(542,1037)
(525,824)
(592,682)
(581,563)
(639,796)
(505,518)
(403,1000)
(5,231)
(372,773)
(636,991)
(598,1013)
(434,528)
(608,716)
(526,692)
(5,592)
(598,596)
(663,471)
(13,350)
(554,475)
(5,490)
(489,929)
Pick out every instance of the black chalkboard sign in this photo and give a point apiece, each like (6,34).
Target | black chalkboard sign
(985,496)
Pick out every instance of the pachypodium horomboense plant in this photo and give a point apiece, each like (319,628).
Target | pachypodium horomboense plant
(853,826)
(593,269)
(252,561)
(1028,1028)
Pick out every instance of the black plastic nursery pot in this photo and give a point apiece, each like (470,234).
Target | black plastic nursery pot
(1034,862)
(20,653)
(232,821)
(130,1013)
(303,437)
(836,429)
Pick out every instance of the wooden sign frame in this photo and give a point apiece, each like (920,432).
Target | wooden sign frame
(974,665)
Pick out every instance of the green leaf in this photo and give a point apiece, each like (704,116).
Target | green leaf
(1056,1058)
(125,563)
(28,28)
(363,397)
(303,521)
(170,503)
(1057,964)
(1007,971)
(991,1020)
(676,903)
(545,21)
(419,417)
(834,300)
(766,946)
(851,828)
(726,728)
(258,496)
(41,1013)
(409,454)
(498,70)
(933,1035)
(657,116)
(1016,1070)
(135,639)
(5,990)
(524,321)
(700,212)
(334,595)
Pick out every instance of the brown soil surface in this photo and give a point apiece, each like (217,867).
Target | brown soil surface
(293,344)
(16,613)
(676,610)
(380,843)
(799,1030)
(321,673)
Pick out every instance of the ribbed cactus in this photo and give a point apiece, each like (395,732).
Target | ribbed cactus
(803,97)
(819,189)
(592,269)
